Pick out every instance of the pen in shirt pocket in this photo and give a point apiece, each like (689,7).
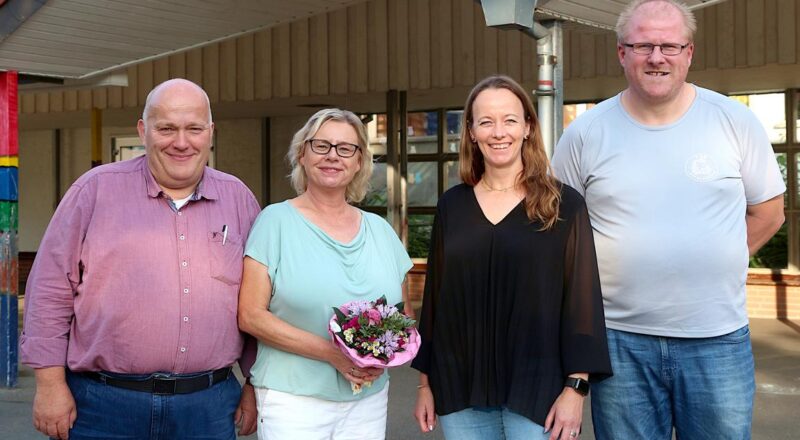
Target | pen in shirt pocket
(224,234)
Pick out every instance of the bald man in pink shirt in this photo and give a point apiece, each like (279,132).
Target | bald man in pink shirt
(130,317)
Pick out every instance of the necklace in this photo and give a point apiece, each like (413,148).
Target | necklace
(489,188)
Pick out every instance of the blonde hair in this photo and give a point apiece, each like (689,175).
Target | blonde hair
(358,187)
(542,190)
(690,23)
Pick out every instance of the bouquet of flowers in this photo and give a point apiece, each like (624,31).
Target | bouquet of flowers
(373,334)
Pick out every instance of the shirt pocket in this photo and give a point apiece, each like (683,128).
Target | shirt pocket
(226,258)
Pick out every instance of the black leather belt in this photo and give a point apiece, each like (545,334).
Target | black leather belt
(162,384)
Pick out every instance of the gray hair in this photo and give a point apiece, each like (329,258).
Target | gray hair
(690,23)
(169,83)
(358,187)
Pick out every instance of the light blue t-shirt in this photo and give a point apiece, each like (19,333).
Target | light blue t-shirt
(667,205)
(311,273)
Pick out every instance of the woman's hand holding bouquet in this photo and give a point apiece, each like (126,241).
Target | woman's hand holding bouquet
(373,336)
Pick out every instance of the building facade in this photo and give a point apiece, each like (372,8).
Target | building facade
(418,58)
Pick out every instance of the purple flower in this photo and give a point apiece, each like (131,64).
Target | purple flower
(388,344)
(358,307)
(386,310)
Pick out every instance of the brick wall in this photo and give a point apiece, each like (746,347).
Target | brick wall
(773,296)
(416,284)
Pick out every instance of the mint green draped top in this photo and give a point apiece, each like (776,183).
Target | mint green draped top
(311,273)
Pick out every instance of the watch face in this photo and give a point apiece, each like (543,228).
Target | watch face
(578,384)
(583,387)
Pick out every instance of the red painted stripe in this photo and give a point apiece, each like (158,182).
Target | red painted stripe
(9,136)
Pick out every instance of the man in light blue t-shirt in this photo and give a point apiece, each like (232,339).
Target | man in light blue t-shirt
(682,187)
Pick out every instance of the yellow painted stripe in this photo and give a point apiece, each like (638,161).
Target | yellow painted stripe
(9,161)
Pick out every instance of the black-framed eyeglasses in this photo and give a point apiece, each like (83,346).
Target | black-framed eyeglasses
(343,149)
(668,49)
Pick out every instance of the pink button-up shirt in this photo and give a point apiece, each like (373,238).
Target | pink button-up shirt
(124,282)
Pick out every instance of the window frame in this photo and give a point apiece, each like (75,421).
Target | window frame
(440,157)
(791,148)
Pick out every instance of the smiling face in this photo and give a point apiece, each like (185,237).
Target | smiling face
(656,78)
(499,126)
(177,137)
(330,171)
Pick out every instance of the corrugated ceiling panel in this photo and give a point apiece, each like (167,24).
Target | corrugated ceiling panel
(80,38)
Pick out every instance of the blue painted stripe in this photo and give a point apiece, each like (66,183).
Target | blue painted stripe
(9,184)
(9,337)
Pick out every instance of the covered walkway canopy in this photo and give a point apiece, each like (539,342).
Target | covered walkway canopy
(86,39)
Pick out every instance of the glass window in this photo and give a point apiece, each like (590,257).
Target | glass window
(379,126)
(797,121)
(422,184)
(770,109)
(419,234)
(781,158)
(572,111)
(426,157)
(797,179)
(452,173)
(377,195)
(453,131)
(775,253)
(422,132)
(376,131)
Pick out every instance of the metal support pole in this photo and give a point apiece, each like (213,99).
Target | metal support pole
(557,34)
(397,163)
(9,255)
(549,92)
(393,188)
(403,116)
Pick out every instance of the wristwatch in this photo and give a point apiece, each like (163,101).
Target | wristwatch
(579,385)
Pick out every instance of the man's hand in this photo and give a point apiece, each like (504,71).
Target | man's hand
(246,414)
(53,406)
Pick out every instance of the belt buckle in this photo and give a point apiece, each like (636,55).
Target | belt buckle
(163,385)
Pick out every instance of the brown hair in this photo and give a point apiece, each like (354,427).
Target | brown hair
(542,190)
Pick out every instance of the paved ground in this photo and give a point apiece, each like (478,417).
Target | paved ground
(776,345)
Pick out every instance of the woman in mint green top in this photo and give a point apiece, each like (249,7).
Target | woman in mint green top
(305,256)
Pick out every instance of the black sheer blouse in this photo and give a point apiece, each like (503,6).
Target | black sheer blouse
(509,311)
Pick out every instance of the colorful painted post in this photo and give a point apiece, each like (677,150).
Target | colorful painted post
(9,256)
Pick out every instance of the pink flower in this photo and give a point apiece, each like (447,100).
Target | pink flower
(374,316)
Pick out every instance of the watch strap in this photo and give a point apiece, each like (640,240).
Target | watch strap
(579,385)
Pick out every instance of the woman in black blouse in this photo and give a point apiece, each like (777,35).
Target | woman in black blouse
(512,319)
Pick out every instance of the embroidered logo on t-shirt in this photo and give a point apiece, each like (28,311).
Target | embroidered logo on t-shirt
(701,168)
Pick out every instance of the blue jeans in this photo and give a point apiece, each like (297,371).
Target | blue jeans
(490,423)
(702,387)
(107,412)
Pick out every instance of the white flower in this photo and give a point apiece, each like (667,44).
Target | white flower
(348,335)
